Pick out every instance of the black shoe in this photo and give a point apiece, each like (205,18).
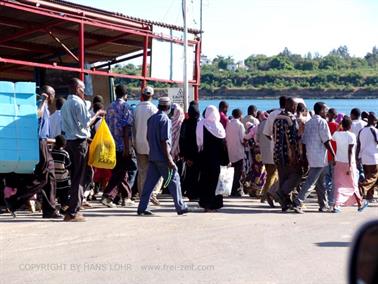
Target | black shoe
(145,213)
(281,200)
(270,200)
(186,210)
(54,215)
(10,208)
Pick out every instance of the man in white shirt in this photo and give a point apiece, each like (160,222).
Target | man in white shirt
(55,123)
(268,129)
(235,138)
(316,141)
(143,111)
(357,122)
(367,152)
(251,117)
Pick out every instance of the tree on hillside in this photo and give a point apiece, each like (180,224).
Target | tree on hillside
(372,57)
(257,62)
(281,63)
(331,62)
(222,62)
(341,51)
(285,53)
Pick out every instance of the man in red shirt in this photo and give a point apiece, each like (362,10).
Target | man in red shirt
(223,108)
(333,127)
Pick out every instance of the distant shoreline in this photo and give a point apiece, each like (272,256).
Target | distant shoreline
(276,98)
(265,94)
(271,94)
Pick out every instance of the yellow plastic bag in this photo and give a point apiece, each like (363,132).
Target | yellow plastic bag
(102,152)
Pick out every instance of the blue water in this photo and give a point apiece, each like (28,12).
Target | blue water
(341,105)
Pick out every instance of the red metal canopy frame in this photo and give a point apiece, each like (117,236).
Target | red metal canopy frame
(60,35)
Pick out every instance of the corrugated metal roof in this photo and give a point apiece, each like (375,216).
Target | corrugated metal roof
(117,15)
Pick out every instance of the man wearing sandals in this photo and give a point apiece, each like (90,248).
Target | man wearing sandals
(160,160)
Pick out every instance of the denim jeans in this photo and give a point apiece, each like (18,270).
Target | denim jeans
(315,178)
(329,185)
(155,171)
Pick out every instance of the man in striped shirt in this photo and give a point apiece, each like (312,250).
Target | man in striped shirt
(61,163)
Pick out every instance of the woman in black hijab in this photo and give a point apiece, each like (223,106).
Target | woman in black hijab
(189,152)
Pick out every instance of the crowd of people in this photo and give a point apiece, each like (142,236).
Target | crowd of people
(278,155)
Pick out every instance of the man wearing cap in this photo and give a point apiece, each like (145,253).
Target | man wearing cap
(160,160)
(143,111)
(367,153)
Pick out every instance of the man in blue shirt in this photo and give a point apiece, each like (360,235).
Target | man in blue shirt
(120,121)
(160,160)
(76,121)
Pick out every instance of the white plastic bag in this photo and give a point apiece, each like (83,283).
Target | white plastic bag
(226,177)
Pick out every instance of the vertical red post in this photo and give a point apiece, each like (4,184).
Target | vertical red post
(197,70)
(81,48)
(144,66)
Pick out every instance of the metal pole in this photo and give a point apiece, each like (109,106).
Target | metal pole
(81,41)
(198,71)
(171,57)
(144,66)
(186,84)
(201,20)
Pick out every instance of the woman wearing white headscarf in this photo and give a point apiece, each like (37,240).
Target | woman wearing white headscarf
(213,153)
(177,120)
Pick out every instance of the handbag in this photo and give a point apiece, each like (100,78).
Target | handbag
(225,180)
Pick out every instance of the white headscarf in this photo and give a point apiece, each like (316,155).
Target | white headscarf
(177,119)
(212,124)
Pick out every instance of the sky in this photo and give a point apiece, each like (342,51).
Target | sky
(240,28)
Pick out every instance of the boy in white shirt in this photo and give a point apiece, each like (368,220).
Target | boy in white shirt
(367,152)
(235,145)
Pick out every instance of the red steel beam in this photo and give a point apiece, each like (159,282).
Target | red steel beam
(144,66)
(71,18)
(29,47)
(99,24)
(31,30)
(197,66)
(60,30)
(80,12)
(81,50)
(87,71)
(82,20)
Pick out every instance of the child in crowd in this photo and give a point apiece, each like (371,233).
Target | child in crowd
(101,177)
(61,164)
(345,175)
(256,174)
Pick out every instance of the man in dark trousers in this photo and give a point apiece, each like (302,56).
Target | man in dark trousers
(76,121)
(43,179)
(120,121)
(160,160)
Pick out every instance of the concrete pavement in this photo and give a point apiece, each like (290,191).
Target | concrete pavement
(245,242)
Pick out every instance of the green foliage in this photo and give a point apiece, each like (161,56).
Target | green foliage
(338,70)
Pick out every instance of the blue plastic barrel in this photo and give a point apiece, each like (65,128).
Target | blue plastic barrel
(19,146)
